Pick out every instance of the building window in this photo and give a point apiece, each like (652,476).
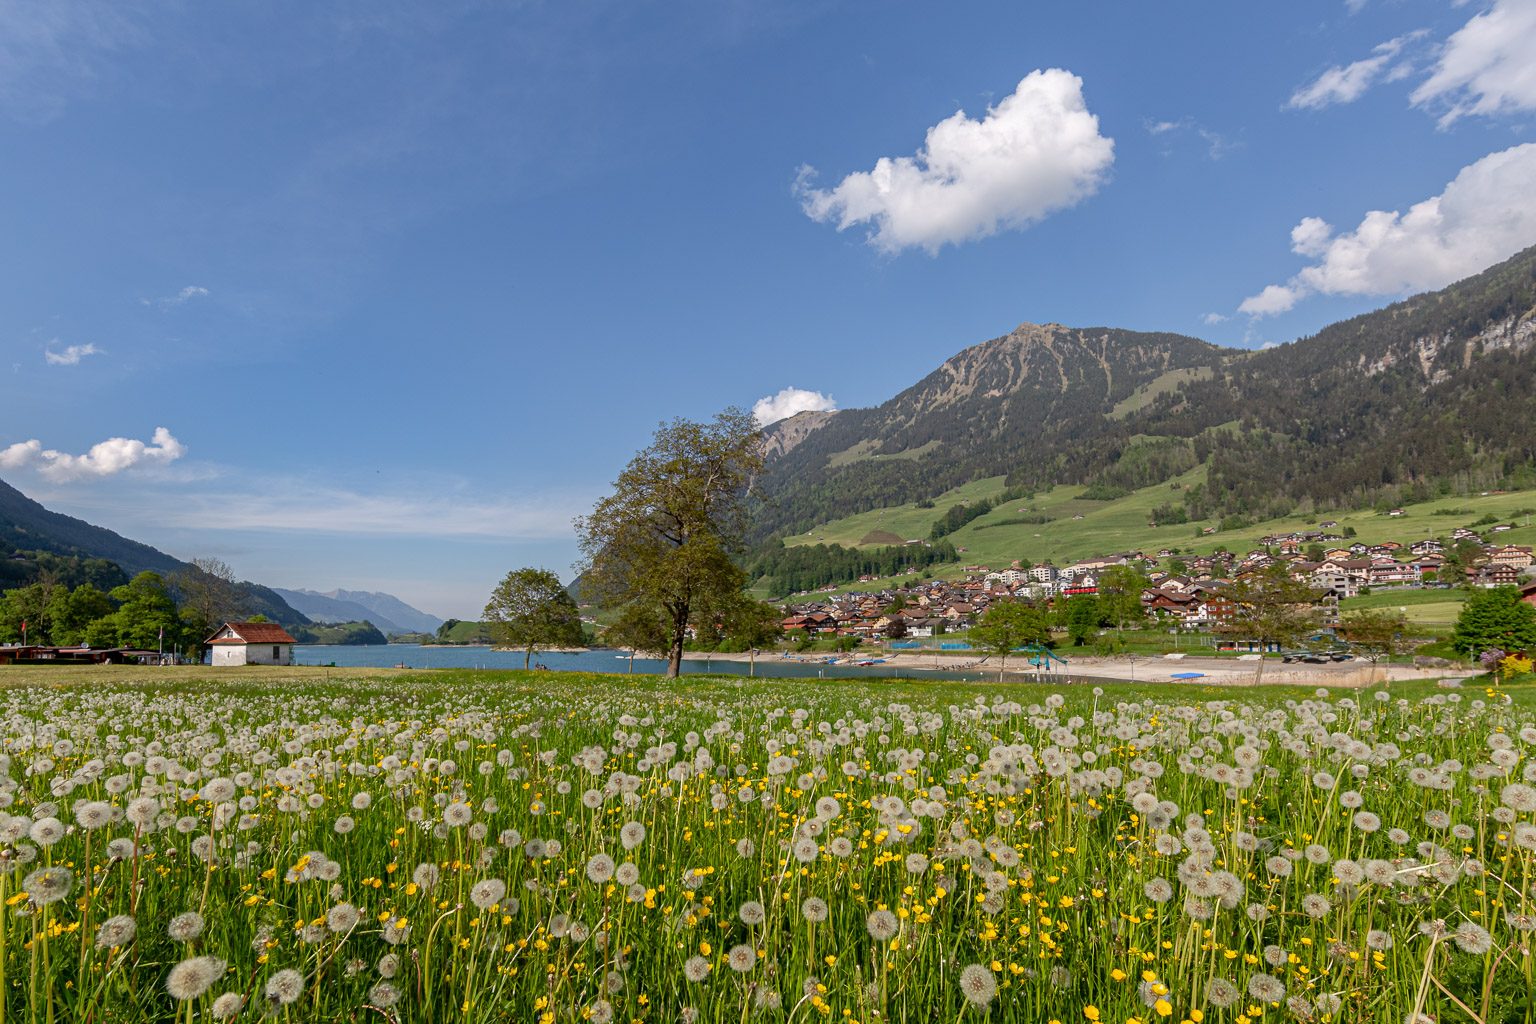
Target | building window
(277,652)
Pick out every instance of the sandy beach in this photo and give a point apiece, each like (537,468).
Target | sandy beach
(1213,671)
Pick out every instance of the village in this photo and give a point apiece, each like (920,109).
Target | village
(1183,592)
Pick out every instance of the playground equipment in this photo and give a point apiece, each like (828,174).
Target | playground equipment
(1040,657)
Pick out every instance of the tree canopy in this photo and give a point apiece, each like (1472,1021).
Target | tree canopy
(1495,618)
(530,609)
(663,541)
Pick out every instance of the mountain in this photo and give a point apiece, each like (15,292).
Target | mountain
(25,525)
(386,611)
(1434,394)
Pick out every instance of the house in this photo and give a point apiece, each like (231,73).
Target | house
(251,643)
(1497,576)
(1397,512)
(1512,554)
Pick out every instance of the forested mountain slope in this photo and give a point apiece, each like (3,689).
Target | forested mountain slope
(1434,394)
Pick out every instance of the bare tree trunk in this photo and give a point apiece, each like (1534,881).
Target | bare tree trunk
(679,634)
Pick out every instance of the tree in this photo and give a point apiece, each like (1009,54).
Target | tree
(1120,588)
(1376,633)
(1272,608)
(664,538)
(532,610)
(207,592)
(23,605)
(146,615)
(638,629)
(1008,625)
(1494,618)
(1082,618)
(72,612)
(751,624)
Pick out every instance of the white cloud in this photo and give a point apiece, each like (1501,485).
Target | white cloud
(1347,84)
(1487,214)
(1037,151)
(1355,6)
(1274,299)
(104,459)
(1217,144)
(789,402)
(71,356)
(1486,67)
(298,506)
(1212,318)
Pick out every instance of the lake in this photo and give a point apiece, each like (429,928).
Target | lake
(390,655)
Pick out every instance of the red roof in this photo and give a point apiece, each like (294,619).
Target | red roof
(253,633)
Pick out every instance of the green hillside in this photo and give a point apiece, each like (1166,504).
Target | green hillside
(1122,524)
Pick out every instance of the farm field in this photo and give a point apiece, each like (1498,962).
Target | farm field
(492,846)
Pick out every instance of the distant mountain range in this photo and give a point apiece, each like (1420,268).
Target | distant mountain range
(25,525)
(385,611)
(1434,394)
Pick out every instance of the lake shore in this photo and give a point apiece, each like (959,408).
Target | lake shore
(1213,671)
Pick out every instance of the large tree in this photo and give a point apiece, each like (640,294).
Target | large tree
(664,538)
(532,610)
(146,616)
(1009,625)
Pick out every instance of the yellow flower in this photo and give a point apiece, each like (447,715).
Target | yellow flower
(1091,1012)
(1162,1008)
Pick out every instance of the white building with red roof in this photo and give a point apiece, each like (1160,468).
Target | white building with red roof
(252,643)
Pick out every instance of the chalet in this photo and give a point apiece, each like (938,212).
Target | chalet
(1397,512)
(1492,575)
(1528,592)
(1511,554)
(251,643)
(1329,525)
(1431,546)
(1501,527)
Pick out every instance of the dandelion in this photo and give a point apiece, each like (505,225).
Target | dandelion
(341,918)
(882,925)
(426,875)
(116,931)
(1472,938)
(1365,821)
(751,913)
(1378,940)
(600,868)
(48,885)
(742,958)
(1221,992)
(227,1006)
(1158,890)
(814,909)
(93,814)
(978,985)
(383,995)
(696,969)
(1266,988)
(191,978)
(185,927)
(487,893)
(632,835)
(1315,907)
(457,815)
(47,831)
(284,987)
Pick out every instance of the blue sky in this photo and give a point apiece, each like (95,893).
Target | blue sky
(379,295)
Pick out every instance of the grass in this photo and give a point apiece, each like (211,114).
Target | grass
(1143,396)
(579,849)
(1121,525)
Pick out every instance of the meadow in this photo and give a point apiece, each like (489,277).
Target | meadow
(509,846)
(1122,524)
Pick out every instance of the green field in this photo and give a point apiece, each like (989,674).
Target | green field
(1120,525)
(479,847)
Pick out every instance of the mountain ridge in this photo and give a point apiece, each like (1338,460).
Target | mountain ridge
(27,525)
(1375,407)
